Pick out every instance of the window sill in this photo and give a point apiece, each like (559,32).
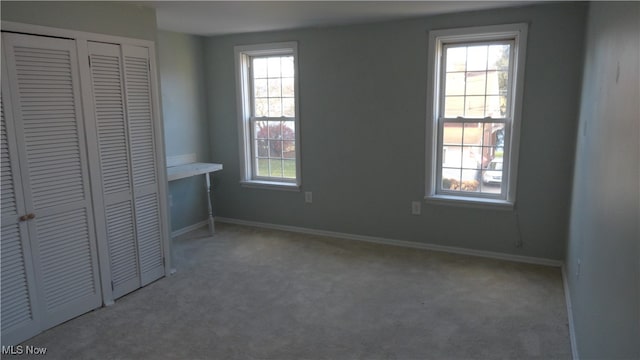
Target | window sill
(272,185)
(469,202)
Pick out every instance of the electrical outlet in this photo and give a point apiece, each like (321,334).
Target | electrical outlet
(308,197)
(415,208)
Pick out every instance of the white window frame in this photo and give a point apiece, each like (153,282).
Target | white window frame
(517,33)
(243,56)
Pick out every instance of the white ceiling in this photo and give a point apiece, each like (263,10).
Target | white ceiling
(230,17)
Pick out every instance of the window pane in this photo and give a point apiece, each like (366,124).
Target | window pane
(288,89)
(494,138)
(456,59)
(498,57)
(470,180)
(454,84)
(275,107)
(476,83)
(275,131)
(259,68)
(263,167)
(450,179)
(262,105)
(497,82)
(453,106)
(473,134)
(262,148)
(275,148)
(260,88)
(477,58)
(496,106)
(289,149)
(275,88)
(288,107)
(472,157)
(288,130)
(276,167)
(452,134)
(261,131)
(289,168)
(474,106)
(452,156)
(492,176)
(274,67)
(287,66)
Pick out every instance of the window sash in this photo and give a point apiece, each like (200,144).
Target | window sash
(505,162)
(443,71)
(254,150)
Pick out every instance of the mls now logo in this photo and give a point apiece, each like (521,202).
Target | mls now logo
(20,350)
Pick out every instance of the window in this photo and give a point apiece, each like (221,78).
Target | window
(473,121)
(268,115)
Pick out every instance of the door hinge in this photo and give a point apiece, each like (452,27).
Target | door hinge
(111,285)
(149,64)
(163,263)
(89,60)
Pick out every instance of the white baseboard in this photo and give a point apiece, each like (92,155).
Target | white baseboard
(189,228)
(402,243)
(572,329)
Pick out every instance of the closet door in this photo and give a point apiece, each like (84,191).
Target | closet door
(19,312)
(113,148)
(43,77)
(144,168)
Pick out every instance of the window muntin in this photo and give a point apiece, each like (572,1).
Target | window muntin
(268,115)
(475,113)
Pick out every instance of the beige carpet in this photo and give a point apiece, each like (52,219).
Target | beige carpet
(259,294)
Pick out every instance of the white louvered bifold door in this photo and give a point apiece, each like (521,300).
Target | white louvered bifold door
(44,80)
(107,84)
(144,168)
(19,311)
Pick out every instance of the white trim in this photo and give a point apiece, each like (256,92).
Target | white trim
(243,108)
(271,185)
(515,32)
(572,329)
(393,242)
(470,202)
(189,228)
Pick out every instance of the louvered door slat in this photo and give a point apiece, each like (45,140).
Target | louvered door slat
(111,126)
(19,316)
(53,160)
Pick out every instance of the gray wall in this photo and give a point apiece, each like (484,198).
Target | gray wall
(604,234)
(186,129)
(362,109)
(113,18)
